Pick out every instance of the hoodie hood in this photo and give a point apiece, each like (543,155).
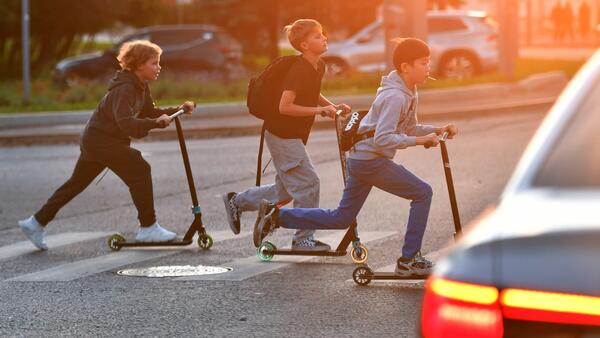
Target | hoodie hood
(123,77)
(393,81)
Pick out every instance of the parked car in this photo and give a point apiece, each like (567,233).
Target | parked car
(531,266)
(462,44)
(186,49)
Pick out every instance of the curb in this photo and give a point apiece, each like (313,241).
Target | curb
(552,82)
(440,113)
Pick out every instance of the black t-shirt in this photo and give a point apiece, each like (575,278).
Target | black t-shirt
(305,81)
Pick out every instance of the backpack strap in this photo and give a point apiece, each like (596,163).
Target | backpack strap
(259,159)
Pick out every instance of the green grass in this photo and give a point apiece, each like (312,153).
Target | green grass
(47,97)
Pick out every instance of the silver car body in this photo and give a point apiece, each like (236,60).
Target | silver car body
(476,36)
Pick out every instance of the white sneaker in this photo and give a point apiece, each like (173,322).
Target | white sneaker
(154,233)
(34,231)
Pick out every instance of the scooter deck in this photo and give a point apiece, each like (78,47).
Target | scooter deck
(149,244)
(394,276)
(290,252)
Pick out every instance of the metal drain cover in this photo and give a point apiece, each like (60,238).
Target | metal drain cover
(174,271)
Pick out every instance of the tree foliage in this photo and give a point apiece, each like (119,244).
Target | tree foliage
(56,25)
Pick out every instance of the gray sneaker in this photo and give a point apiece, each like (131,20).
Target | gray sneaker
(232,211)
(416,266)
(34,231)
(266,222)
(310,244)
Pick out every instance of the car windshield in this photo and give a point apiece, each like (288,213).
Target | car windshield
(574,162)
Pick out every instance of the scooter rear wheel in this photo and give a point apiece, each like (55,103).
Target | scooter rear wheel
(205,241)
(362,275)
(115,242)
(359,254)
(264,246)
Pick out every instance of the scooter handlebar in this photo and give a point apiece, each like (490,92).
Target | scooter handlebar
(177,113)
(444,137)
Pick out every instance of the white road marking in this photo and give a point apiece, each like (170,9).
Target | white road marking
(87,267)
(53,241)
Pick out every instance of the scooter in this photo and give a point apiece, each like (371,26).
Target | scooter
(359,253)
(117,241)
(363,275)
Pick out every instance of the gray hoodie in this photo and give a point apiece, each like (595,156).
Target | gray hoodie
(393,116)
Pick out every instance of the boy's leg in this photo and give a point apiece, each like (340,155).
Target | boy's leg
(397,180)
(353,198)
(297,174)
(249,200)
(130,166)
(83,174)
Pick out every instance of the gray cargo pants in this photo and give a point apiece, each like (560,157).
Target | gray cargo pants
(296,179)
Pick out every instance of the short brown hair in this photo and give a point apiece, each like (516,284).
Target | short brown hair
(135,53)
(408,50)
(299,30)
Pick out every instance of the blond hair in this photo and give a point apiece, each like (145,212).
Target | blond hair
(299,30)
(135,53)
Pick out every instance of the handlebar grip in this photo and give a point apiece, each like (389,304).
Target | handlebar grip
(177,113)
(444,137)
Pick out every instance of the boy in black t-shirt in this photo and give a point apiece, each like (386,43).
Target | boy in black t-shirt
(287,134)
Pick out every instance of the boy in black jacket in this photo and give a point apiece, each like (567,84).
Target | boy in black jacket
(127,111)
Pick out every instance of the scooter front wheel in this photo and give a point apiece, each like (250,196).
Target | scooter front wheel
(115,242)
(205,241)
(362,275)
(359,254)
(261,251)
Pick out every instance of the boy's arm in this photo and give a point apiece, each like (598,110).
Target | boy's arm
(288,107)
(389,117)
(122,107)
(323,101)
(151,111)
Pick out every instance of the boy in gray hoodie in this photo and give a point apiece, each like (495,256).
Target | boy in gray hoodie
(392,120)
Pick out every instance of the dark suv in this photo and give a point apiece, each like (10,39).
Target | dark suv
(187,49)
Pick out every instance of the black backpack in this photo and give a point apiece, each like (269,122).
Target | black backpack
(264,91)
(264,94)
(349,136)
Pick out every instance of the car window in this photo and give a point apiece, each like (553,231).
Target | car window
(574,162)
(179,36)
(439,25)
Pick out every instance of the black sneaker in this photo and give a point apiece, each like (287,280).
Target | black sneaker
(266,222)
(416,266)
(232,211)
(310,244)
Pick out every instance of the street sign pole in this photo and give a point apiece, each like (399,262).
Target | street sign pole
(25,50)
(508,18)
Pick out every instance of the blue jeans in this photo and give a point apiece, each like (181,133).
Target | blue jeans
(363,175)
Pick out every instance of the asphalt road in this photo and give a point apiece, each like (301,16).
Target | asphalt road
(73,289)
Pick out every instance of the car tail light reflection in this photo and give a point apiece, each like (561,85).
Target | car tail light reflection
(550,307)
(457,309)
(492,37)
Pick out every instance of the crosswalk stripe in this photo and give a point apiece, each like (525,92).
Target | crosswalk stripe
(83,268)
(53,241)
(248,267)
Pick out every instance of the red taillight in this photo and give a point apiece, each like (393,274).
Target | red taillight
(550,307)
(457,309)
(492,37)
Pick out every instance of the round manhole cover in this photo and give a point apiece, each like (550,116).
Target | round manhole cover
(174,271)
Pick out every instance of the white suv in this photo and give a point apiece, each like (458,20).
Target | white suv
(463,43)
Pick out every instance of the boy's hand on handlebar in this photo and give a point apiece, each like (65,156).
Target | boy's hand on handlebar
(344,108)
(430,140)
(451,128)
(163,121)
(328,111)
(188,107)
